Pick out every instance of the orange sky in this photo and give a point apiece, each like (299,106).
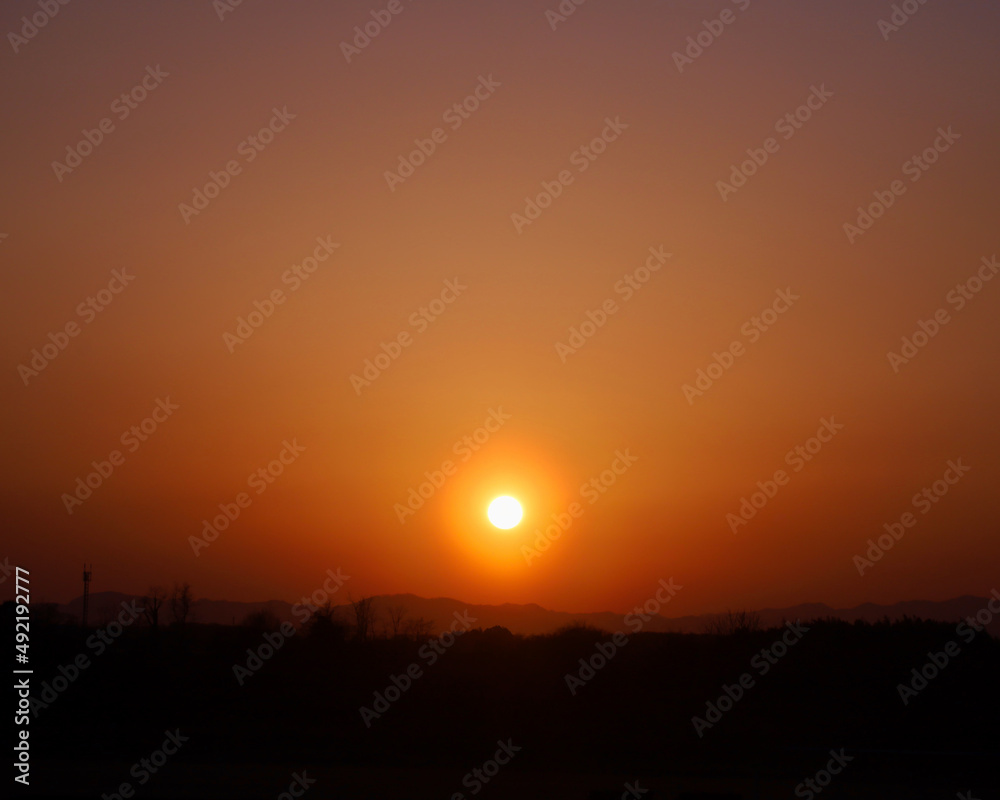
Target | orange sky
(337,127)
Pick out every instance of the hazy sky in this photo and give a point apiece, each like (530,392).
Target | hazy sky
(483,287)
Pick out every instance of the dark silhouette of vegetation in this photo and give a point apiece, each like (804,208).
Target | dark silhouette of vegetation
(417,628)
(579,631)
(325,625)
(152,601)
(180,602)
(734,623)
(364,618)
(261,620)
(837,687)
(395,616)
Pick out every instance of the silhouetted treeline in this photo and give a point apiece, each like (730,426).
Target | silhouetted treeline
(836,685)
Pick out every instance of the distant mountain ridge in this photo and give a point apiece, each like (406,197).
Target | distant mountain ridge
(533,619)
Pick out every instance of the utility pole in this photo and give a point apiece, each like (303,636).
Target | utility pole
(86,591)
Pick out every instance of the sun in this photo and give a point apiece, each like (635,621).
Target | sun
(504,512)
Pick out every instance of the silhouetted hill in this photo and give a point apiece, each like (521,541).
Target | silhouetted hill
(533,619)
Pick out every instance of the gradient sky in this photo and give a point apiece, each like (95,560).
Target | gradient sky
(494,347)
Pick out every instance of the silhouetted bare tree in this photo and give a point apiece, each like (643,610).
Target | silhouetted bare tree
(152,602)
(364,617)
(180,602)
(395,615)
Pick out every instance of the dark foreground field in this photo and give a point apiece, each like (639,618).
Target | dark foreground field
(501,704)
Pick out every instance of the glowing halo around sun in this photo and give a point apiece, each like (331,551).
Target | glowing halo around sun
(504,512)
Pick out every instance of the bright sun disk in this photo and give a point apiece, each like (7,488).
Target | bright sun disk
(504,512)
